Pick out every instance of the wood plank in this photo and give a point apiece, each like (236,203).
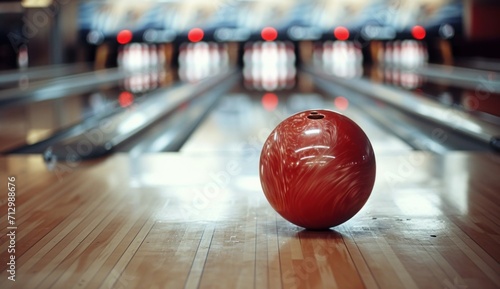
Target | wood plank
(182,221)
(200,258)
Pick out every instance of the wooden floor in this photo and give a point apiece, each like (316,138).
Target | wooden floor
(195,221)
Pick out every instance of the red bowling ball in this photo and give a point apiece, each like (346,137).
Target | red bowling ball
(317,169)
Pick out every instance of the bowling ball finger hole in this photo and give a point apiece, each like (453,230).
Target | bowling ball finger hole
(314,112)
(315,116)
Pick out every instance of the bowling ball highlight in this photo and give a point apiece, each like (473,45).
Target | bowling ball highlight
(317,169)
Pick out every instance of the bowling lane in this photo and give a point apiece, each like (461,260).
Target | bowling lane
(143,70)
(23,78)
(404,64)
(441,95)
(32,122)
(200,215)
(479,63)
(480,95)
(244,118)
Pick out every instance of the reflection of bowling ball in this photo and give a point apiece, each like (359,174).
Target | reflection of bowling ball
(317,169)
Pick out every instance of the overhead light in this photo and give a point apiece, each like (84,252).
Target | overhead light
(418,32)
(269,34)
(36,3)
(341,33)
(446,31)
(95,37)
(196,35)
(124,36)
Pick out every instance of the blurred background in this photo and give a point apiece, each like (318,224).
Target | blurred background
(404,66)
(47,32)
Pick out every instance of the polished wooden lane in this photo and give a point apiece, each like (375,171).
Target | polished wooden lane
(240,119)
(188,220)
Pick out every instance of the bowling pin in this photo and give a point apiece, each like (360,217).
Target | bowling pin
(214,58)
(387,75)
(205,58)
(396,80)
(396,52)
(144,57)
(196,65)
(388,53)
(130,57)
(290,53)
(153,56)
(136,55)
(405,54)
(255,64)
(247,55)
(256,54)
(182,61)
(413,54)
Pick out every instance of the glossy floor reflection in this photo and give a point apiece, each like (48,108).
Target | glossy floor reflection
(188,221)
(243,119)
